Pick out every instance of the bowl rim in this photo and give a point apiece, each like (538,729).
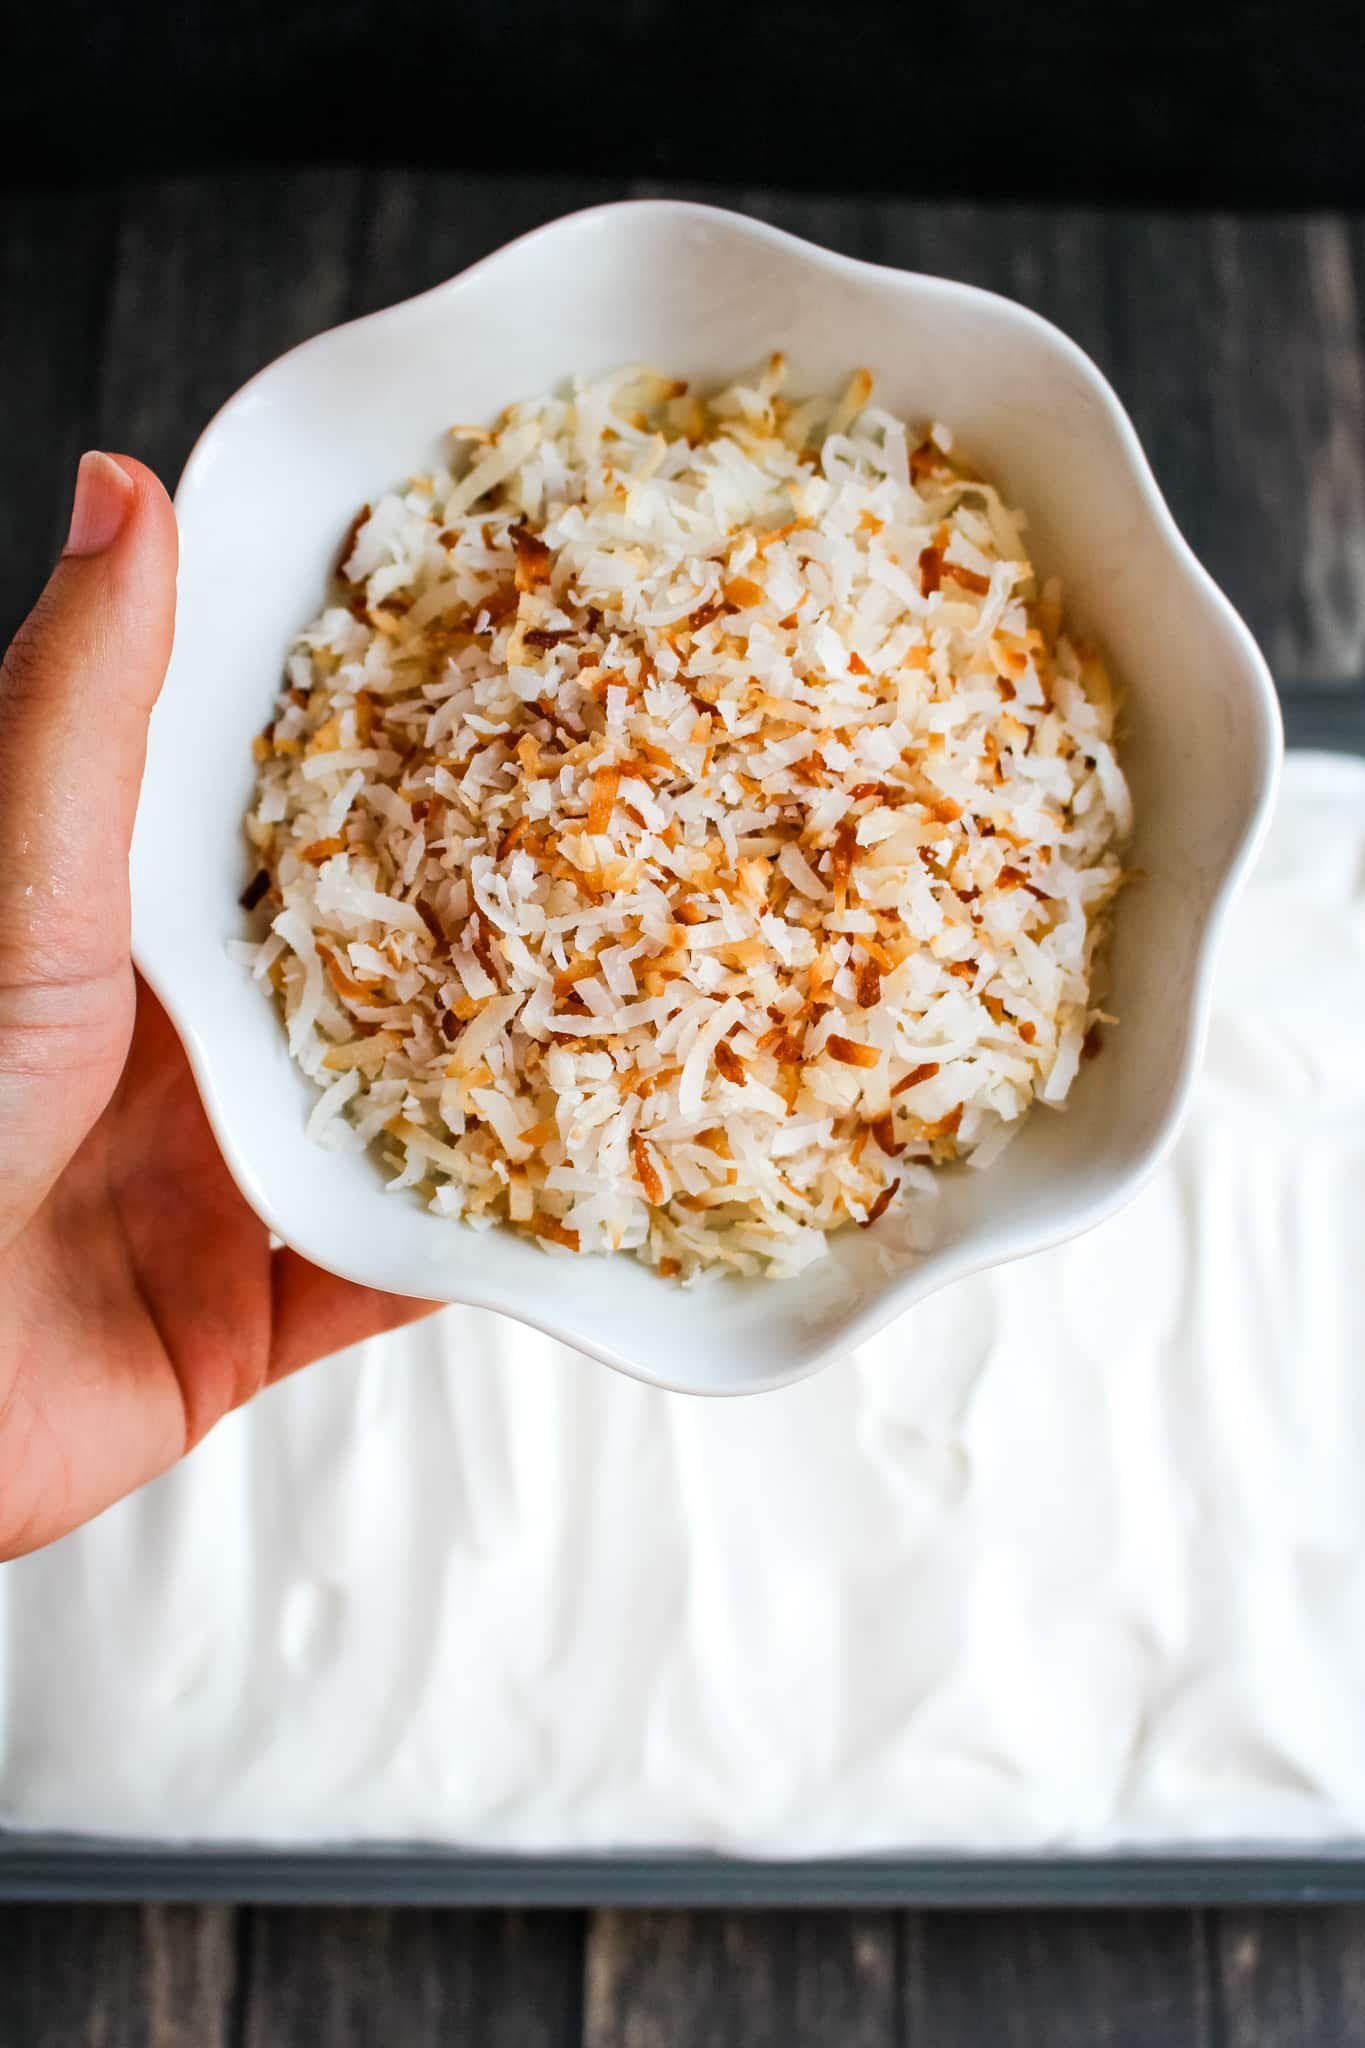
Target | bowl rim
(939,1269)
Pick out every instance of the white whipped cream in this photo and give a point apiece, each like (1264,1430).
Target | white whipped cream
(1004,1579)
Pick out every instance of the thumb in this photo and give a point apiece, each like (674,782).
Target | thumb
(76,688)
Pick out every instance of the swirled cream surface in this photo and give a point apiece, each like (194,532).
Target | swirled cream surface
(1072,1556)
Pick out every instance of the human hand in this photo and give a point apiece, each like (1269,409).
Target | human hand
(139,1296)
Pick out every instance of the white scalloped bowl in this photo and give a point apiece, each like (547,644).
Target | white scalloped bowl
(269,490)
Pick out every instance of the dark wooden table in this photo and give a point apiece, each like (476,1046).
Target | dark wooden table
(1239,347)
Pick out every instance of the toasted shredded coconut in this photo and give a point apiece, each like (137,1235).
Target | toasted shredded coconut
(688,824)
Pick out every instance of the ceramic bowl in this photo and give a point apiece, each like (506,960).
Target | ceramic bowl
(263,502)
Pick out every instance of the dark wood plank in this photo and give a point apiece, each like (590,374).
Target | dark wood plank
(215,277)
(1067,1980)
(1290,1980)
(56,255)
(741,1980)
(191,1975)
(418,228)
(1239,352)
(413,1978)
(116,1976)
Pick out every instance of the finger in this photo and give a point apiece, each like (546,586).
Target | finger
(316,1314)
(76,689)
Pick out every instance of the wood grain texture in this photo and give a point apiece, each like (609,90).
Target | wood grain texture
(718,1980)
(1067,1980)
(414,1979)
(213,279)
(1238,351)
(1292,1980)
(418,228)
(191,1975)
(116,1977)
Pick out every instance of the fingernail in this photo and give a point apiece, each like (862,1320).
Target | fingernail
(104,493)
